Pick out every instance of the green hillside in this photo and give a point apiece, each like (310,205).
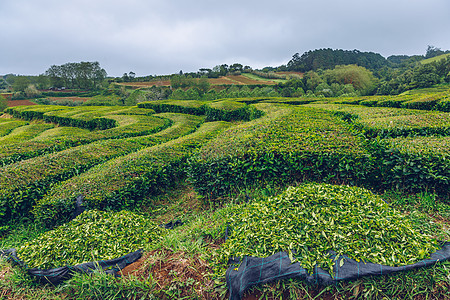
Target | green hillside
(363,177)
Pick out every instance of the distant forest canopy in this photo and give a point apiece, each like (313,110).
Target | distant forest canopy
(328,58)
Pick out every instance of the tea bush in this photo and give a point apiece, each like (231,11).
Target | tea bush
(24,133)
(392,122)
(418,163)
(65,116)
(223,110)
(7,125)
(60,138)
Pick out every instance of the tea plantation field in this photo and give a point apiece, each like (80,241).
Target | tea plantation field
(365,177)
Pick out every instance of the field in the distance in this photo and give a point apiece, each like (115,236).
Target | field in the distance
(244,79)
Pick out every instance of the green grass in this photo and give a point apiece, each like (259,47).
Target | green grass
(433,59)
(256,77)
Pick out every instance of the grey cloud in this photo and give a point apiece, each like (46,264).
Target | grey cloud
(164,36)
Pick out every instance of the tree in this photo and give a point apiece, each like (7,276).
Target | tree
(312,80)
(31,91)
(424,76)
(3,103)
(432,51)
(20,83)
(203,85)
(83,75)
(361,78)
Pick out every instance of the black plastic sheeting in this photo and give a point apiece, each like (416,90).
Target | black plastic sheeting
(57,275)
(256,270)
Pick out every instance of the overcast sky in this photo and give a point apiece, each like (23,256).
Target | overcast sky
(152,37)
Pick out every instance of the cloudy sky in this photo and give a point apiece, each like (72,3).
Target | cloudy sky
(152,37)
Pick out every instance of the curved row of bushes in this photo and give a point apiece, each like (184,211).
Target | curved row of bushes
(52,114)
(131,122)
(7,125)
(123,181)
(386,122)
(225,110)
(24,133)
(300,144)
(311,144)
(427,101)
(21,184)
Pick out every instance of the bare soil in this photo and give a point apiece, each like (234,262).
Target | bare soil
(13,103)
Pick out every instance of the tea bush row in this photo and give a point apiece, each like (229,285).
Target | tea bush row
(418,164)
(65,116)
(122,182)
(24,133)
(423,101)
(21,184)
(60,138)
(386,122)
(312,144)
(224,110)
(7,125)
(287,144)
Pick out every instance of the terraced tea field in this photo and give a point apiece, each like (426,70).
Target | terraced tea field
(365,177)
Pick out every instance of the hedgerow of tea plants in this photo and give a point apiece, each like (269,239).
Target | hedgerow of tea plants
(418,163)
(21,184)
(311,220)
(60,138)
(392,122)
(7,125)
(224,110)
(24,133)
(83,117)
(297,144)
(122,182)
(93,235)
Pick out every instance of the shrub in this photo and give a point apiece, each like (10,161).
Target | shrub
(224,110)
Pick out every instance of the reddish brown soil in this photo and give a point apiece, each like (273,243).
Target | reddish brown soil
(147,83)
(74,98)
(287,73)
(247,81)
(20,102)
(172,270)
(224,80)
